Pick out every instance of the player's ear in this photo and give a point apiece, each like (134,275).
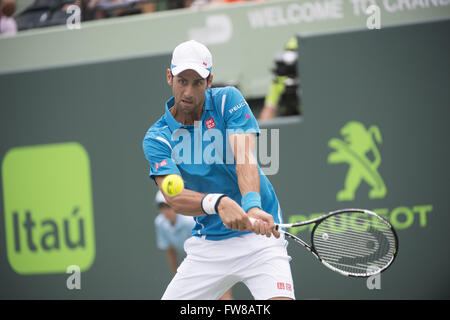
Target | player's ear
(169,77)
(210,80)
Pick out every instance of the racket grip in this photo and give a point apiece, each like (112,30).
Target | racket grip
(252,220)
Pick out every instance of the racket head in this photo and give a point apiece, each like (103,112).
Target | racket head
(355,242)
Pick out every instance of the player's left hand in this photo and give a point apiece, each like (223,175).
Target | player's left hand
(264,223)
(232,215)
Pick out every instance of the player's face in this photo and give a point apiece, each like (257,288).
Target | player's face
(188,88)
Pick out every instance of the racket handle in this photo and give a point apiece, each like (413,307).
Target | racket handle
(252,220)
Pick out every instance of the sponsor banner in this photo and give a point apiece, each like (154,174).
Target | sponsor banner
(48,211)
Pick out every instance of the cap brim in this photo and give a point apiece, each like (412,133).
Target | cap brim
(203,72)
(160,198)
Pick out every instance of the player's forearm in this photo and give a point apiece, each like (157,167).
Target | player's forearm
(188,202)
(248,178)
(243,146)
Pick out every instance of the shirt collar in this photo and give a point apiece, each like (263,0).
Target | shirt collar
(173,123)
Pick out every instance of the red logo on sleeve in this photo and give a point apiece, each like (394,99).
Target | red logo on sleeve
(160,164)
(210,123)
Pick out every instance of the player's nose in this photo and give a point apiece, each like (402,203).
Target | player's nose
(188,92)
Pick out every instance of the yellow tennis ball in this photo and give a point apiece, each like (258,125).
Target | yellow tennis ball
(172,184)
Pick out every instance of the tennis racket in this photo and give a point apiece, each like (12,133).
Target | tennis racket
(352,242)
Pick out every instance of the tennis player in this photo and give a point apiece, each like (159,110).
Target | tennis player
(203,128)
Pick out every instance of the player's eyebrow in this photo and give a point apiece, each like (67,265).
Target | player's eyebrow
(197,79)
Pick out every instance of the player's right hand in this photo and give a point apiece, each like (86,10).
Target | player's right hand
(264,223)
(232,215)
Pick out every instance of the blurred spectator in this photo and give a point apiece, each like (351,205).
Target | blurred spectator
(172,230)
(283,97)
(147,7)
(177,4)
(98,9)
(7,23)
(43,13)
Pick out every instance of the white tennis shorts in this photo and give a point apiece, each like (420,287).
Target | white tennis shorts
(212,267)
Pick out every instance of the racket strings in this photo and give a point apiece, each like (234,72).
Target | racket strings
(355,245)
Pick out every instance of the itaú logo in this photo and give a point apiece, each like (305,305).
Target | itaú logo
(48,208)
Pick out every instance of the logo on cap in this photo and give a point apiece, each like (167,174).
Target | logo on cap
(191,55)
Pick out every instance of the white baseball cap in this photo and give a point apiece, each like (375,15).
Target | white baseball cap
(191,55)
(160,198)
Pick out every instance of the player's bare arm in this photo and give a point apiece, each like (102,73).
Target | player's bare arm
(243,146)
(189,203)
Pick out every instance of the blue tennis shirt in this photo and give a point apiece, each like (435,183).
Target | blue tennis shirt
(201,154)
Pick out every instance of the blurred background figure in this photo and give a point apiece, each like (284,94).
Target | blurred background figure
(172,230)
(44,13)
(178,4)
(99,9)
(8,25)
(283,98)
